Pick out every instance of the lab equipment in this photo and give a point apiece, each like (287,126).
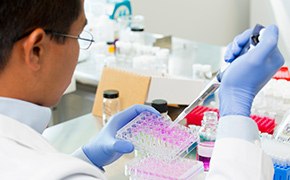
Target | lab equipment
(265,124)
(201,71)
(102,15)
(152,168)
(162,57)
(214,84)
(138,23)
(245,43)
(162,148)
(204,153)
(94,9)
(207,136)
(142,58)
(283,73)
(279,152)
(119,8)
(208,128)
(144,63)
(111,104)
(161,106)
(254,40)
(283,131)
(273,100)
(137,30)
(276,149)
(281,172)
(103,29)
(151,134)
(111,48)
(125,52)
(196,115)
(183,56)
(249,69)
(105,148)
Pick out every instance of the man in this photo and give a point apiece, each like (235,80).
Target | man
(38,54)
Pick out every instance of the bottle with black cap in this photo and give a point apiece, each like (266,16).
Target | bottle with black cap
(137,30)
(111,104)
(161,106)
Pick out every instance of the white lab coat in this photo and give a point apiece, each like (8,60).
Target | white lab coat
(237,154)
(25,154)
(238,159)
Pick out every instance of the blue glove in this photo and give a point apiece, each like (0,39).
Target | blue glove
(105,148)
(248,73)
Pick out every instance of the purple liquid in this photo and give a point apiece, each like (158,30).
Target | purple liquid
(204,152)
(206,161)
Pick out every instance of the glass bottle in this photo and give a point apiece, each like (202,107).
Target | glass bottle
(111,104)
(161,106)
(137,30)
(207,135)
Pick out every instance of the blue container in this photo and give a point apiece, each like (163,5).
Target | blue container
(281,172)
(121,8)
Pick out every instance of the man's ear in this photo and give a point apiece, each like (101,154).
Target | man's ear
(34,49)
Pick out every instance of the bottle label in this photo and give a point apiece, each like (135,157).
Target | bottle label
(205,149)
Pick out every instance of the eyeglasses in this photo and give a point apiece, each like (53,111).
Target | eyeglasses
(85,39)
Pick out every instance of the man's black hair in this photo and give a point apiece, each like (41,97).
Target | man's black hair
(18,17)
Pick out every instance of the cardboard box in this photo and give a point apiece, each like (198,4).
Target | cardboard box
(137,89)
(132,88)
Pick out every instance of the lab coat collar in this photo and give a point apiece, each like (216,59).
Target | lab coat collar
(35,116)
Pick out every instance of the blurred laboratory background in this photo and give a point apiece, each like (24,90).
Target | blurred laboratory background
(214,22)
(201,28)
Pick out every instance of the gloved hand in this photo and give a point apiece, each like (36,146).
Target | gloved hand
(105,148)
(248,73)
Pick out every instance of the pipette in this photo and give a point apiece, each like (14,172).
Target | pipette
(214,84)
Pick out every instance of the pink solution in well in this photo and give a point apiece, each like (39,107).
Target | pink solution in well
(152,134)
(204,152)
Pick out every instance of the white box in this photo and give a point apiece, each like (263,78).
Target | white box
(174,90)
